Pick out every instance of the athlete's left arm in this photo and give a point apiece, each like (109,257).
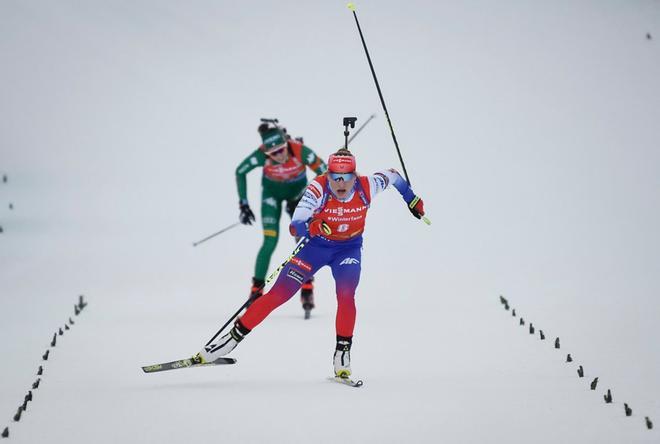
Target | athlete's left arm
(381,180)
(314,162)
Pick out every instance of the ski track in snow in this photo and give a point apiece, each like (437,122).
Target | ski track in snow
(529,131)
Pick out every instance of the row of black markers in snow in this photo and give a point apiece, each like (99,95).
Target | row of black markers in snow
(580,371)
(11,205)
(22,408)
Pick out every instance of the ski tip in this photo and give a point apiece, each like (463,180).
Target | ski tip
(351,6)
(426,220)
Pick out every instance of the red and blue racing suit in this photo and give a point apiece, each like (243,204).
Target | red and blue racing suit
(341,250)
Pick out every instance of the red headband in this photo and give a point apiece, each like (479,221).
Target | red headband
(341,164)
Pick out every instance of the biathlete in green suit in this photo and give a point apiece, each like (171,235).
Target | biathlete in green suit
(284,180)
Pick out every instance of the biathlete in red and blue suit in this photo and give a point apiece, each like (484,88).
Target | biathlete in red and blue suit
(332,213)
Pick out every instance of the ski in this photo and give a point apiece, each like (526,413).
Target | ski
(185,363)
(347,381)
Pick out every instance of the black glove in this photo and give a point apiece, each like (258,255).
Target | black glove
(416,207)
(291,206)
(247,216)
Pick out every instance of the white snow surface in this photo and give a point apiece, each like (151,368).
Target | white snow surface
(530,129)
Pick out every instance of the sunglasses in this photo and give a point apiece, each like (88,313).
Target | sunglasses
(277,151)
(335,177)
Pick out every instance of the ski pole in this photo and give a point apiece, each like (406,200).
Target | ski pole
(299,246)
(351,6)
(229,320)
(360,128)
(272,276)
(215,234)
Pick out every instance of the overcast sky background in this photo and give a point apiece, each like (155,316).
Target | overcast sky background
(529,129)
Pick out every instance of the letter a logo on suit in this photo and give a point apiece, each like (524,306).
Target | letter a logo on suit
(349,261)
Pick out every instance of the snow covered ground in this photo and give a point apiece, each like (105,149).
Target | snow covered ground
(529,128)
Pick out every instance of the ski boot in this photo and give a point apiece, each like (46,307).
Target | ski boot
(342,357)
(307,297)
(256,291)
(223,345)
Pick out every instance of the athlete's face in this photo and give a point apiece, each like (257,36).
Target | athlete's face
(341,184)
(279,154)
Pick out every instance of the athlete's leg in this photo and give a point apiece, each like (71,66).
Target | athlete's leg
(307,289)
(346,268)
(308,260)
(271,210)
(299,269)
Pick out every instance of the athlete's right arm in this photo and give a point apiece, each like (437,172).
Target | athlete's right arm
(254,160)
(381,180)
(309,203)
(314,162)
